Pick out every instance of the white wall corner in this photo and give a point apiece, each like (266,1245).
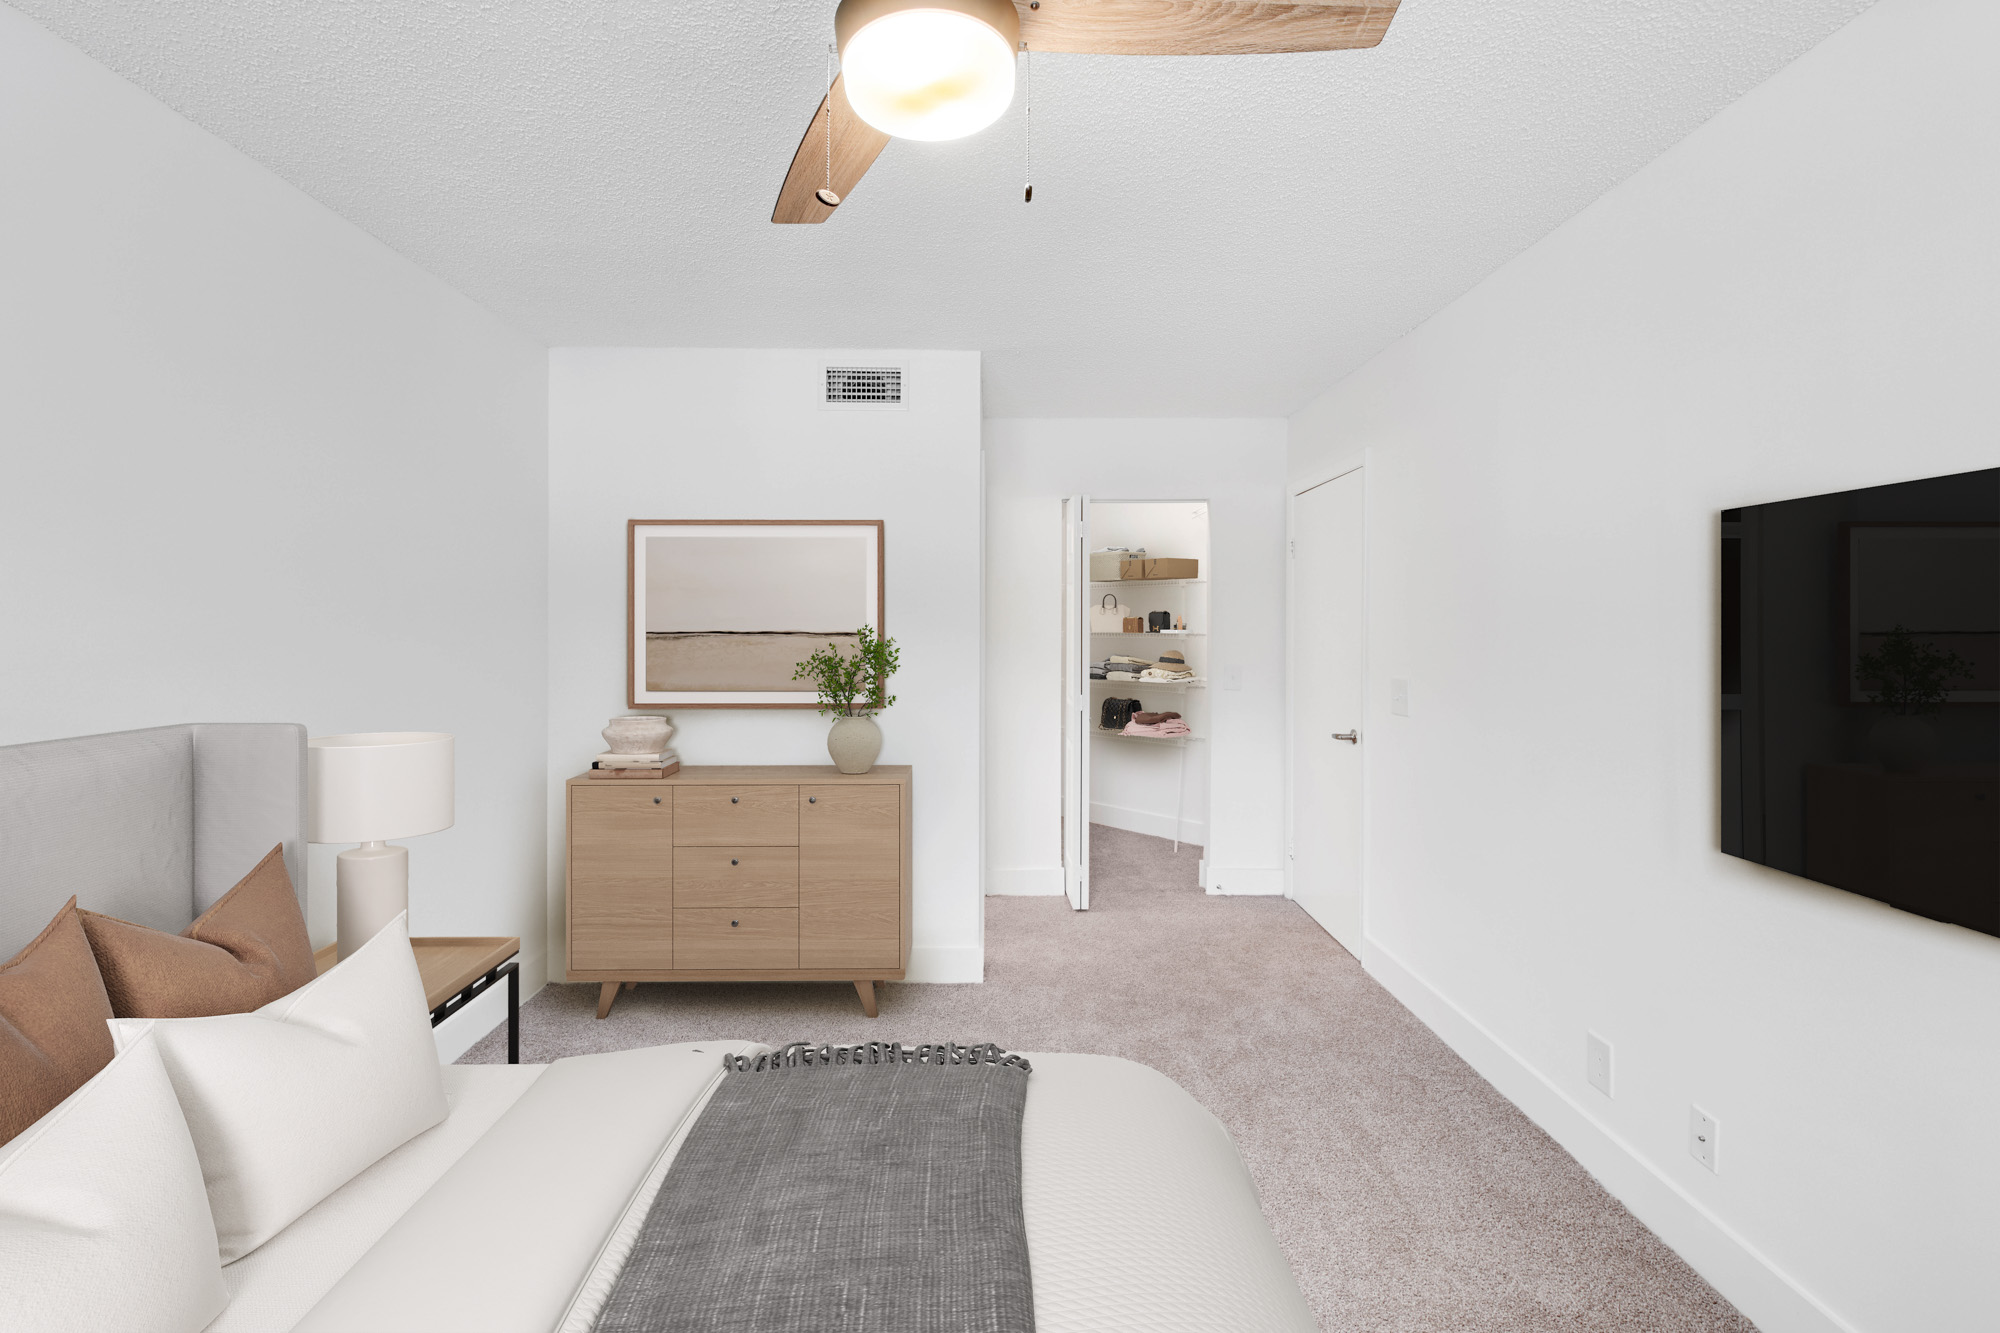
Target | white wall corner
(1024,881)
(1246,881)
(1771,1299)
(949,964)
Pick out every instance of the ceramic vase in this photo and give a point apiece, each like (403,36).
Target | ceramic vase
(854,742)
(1902,744)
(638,735)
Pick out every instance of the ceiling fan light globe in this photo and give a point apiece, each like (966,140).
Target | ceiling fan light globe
(919,72)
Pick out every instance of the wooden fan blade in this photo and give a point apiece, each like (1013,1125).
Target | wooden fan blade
(856,145)
(1200,27)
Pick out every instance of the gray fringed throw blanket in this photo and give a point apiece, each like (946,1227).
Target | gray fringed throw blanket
(841,1189)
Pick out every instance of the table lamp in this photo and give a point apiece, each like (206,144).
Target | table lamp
(369,788)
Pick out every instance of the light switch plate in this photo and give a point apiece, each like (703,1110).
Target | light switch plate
(1399,696)
(1232,678)
(1597,1062)
(1704,1135)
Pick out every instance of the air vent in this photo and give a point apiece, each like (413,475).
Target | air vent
(864,386)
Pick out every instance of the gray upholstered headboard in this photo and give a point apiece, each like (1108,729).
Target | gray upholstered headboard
(152,826)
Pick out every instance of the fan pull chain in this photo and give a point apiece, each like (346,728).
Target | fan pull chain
(826,195)
(1027,125)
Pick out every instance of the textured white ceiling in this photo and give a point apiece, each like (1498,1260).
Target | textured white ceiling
(1213,236)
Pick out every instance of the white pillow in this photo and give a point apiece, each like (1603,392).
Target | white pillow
(103,1220)
(291,1102)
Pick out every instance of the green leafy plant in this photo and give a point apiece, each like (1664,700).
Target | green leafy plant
(1909,676)
(852,685)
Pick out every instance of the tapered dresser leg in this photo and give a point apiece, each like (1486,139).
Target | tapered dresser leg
(866,990)
(605,995)
(631,985)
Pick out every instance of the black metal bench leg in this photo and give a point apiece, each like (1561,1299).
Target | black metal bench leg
(514,1016)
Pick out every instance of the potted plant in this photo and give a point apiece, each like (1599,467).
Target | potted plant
(852,689)
(1911,681)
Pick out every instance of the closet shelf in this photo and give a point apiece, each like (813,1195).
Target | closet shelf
(1149,740)
(1196,683)
(1147,583)
(1151,633)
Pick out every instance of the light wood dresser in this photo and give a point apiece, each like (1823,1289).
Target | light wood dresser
(740,874)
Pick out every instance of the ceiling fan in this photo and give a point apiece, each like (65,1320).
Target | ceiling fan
(943,69)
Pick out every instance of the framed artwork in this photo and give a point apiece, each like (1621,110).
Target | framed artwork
(719,611)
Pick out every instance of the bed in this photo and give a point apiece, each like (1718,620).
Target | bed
(517,1211)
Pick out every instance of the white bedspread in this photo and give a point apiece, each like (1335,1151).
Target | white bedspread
(1141,1216)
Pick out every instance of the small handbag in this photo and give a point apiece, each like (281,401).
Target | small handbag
(1107,617)
(1135,625)
(1116,713)
(1159,620)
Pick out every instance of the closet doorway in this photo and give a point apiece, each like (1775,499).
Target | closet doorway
(1135,670)
(1326,673)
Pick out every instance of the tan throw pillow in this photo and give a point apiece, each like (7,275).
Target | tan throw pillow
(53,1013)
(244,952)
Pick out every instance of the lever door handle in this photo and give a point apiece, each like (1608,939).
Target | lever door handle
(1351,737)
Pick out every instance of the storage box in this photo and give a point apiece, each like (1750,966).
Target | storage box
(1159,567)
(1104,565)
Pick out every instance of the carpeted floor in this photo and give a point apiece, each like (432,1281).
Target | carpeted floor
(1407,1193)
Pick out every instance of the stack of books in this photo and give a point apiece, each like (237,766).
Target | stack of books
(609,765)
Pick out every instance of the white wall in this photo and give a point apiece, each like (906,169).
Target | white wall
(650,433)
(257,467)
(1239,468)
(1802,297)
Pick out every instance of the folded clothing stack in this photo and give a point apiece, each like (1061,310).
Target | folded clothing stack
(1119,668)
(1171,666)
(1166,724)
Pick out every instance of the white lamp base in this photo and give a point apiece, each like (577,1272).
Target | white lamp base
(373,881)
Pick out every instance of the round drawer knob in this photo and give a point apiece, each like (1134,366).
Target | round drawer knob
(812,800)
(734,923)
(732,860)
(656,800)
(732,800)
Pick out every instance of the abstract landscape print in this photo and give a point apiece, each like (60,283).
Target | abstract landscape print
(720,612)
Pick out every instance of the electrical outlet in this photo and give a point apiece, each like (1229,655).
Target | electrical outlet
(1597,1062)
(1704,1133)
(1399,696)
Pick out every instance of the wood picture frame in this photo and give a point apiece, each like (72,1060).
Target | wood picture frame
(717,611)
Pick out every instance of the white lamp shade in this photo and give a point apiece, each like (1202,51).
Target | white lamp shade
(378,785)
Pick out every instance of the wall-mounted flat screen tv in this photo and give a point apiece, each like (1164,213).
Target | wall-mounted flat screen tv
(1861,692)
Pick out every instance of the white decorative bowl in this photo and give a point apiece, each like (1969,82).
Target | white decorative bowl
(638,735)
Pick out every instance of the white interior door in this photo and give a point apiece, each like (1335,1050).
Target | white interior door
(1326,682)
(1076,702)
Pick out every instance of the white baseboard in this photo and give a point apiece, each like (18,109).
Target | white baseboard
(457,1034)
(1246,881)
(1024,881)
(1771,1298)
(946,963)
(1148,822)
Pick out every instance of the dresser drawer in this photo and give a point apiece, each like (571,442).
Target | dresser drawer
(736,816)
(737,937)
(736,877)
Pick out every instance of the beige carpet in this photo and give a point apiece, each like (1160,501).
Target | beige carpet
(1407,1193)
